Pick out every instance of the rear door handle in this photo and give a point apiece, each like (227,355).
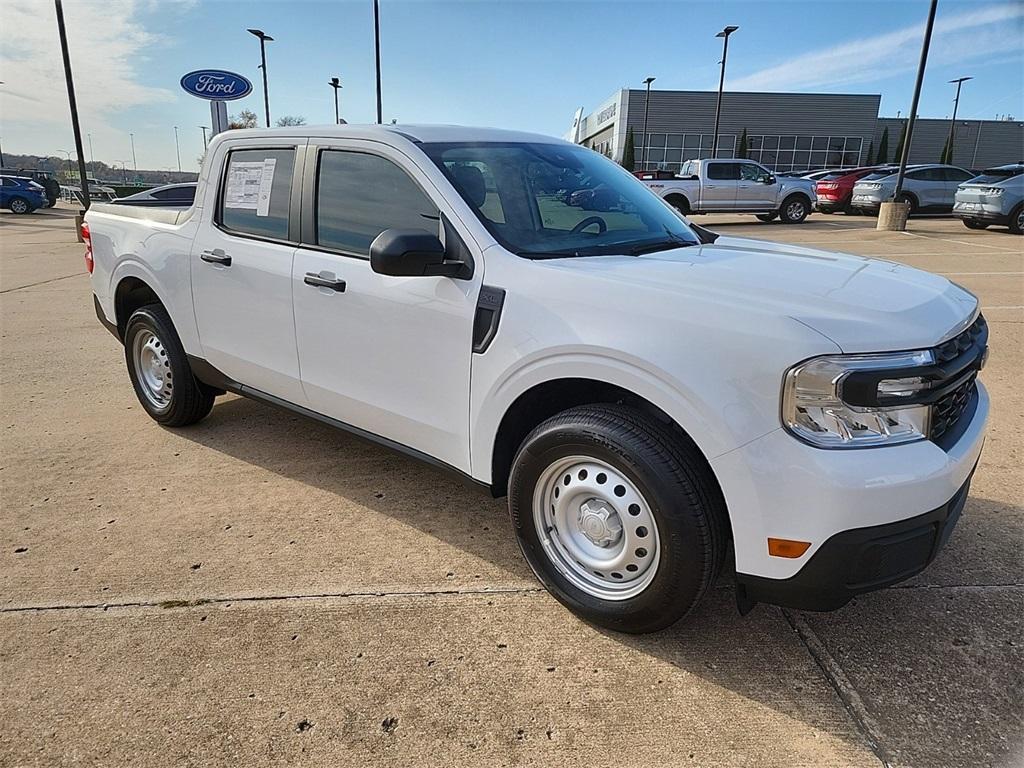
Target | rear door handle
(312,278)
(216,256)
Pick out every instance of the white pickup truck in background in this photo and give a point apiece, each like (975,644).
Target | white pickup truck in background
(734,186)
(650,396)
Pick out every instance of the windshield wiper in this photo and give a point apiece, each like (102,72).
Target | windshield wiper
(660,245)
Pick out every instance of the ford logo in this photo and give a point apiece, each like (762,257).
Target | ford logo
(216,85)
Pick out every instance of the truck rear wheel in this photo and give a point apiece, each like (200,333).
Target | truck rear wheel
(794,210)
(159,370)
(619,518)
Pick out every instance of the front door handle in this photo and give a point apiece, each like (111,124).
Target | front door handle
(216,256)
(312,278)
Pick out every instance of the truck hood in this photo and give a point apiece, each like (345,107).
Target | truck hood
(861,304)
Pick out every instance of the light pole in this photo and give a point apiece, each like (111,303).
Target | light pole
(376,39)
(647,104)
(912,117)
(177,151)
(724,34)
(205,142)
(952,123)
(135,163)
(264,39)
(72,101)
(335,83)
(92,155)
(124,172)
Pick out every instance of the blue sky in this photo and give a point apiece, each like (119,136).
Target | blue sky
(525,65)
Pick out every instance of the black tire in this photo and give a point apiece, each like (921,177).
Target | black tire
(682,495)
(766,217)
(910,200)
(190,400)
(794,209)
(19,205)
(680,203)
(1016,222)
(975,224)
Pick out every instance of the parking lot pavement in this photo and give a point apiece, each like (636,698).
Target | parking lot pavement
(259,589)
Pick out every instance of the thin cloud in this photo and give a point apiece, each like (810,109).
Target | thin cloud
(976,34)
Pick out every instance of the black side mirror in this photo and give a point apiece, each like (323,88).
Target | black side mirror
(411,253)
(768,179)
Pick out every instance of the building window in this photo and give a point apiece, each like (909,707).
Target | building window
(797,153)
(670,151)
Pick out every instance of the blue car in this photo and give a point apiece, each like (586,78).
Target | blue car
(21,195)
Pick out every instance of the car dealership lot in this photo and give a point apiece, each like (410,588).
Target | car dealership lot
(259,589)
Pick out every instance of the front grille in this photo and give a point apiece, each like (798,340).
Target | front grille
(947,411)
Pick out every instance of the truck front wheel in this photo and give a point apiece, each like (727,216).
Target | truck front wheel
(619,518)
(767,216)
(794,209)
(159,370)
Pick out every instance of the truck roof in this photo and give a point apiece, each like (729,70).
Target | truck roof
(416,133)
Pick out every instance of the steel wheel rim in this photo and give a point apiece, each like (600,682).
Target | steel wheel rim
(596,528)
(19,206)
(795,210)
(1020,219)
(153,369)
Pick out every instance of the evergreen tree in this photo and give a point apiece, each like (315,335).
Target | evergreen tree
(871,152)
(741,149)
(899,147)
(883,148)
(629,152)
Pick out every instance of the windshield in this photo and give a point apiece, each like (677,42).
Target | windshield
(996,175)
(556,200)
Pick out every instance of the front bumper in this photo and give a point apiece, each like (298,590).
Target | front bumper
(779,487)
(857,561)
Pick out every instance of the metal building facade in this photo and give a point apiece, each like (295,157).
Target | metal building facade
(785,131)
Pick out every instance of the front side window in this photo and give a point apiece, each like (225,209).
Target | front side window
(256,192)
(551,200)
(358,196)
(751,172)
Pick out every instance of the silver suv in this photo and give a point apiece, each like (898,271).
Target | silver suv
(994,197)
(928,188)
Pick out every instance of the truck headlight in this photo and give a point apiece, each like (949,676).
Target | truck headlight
(813,408)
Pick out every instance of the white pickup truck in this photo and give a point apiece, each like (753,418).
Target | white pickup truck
(734,186)
(649,395)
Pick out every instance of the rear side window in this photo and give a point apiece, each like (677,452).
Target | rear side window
(358,196)
(727,171)
(955,174)
(256,192)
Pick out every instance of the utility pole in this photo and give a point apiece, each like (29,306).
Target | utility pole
(72,101)
(724,34)
(135,163)
(335,83)
(952,123)
(177,151)
(647,104)
(376,38)
(264,39)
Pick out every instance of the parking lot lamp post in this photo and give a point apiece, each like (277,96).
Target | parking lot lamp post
(67,153)
(335,83)
(647,104)
(724,34)
(205,142)
(952,123)
(177,151)
(73,102)
(911,118)
(376,43)
(135,164)
(264,39)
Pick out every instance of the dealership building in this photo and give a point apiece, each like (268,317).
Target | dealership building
(785,131)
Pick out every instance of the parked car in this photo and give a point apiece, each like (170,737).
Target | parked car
(168,194)
(44,178)
(835,189)
(928,188)
(650,396)
(996,196)
(21,195)
(736,186)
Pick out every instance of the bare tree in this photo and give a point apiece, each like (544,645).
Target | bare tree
(244,119)
(284,122)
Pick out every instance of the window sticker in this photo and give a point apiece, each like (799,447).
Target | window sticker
(249,185)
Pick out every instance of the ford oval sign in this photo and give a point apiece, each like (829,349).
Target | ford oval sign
(216,85)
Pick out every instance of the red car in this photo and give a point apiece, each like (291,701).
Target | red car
(835,189)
